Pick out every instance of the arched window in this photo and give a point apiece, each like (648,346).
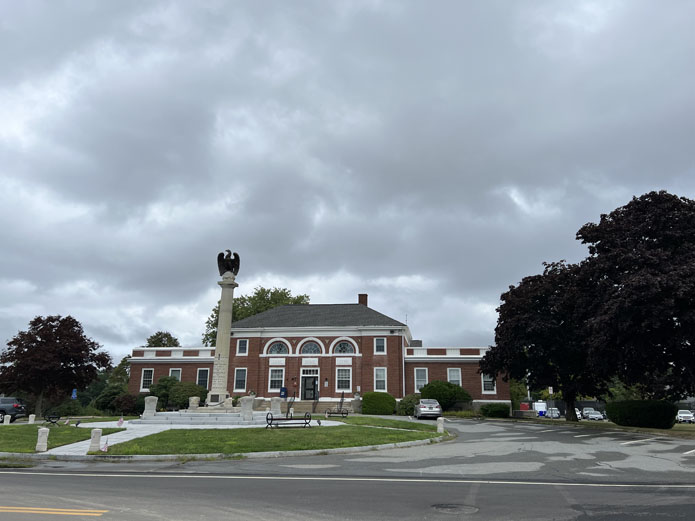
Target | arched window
(344,348)
(278,348)
(311,348)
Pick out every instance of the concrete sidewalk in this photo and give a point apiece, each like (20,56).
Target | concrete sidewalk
(134,431)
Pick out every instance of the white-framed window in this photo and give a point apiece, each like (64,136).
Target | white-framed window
(380,346)
(489,384)
(344,348)
(343,379)
(202,378)
(242,347)
(240,379)
(380,379)
(310,348)
(176,373)
(276,380)
(147,379)
(420,378)
(453,375)
(278,348)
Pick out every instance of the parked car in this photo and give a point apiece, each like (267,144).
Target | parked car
(14,407)
(685,416)
(428,407)
(578,413)
(553,412)
(594,415)
(586,411)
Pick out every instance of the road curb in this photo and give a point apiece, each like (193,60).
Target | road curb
(221,456)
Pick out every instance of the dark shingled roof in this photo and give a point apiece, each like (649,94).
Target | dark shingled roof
(318,315)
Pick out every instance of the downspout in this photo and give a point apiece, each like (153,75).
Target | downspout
(403,362)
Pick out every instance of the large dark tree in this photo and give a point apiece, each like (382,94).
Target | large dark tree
(50,359)
(262,299)
(162,339)
(644,255)
(541,331)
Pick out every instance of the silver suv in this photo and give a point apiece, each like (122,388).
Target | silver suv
(13,407)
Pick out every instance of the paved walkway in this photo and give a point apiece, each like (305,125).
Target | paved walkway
(138,431)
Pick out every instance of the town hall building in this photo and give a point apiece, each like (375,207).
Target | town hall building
(317,352)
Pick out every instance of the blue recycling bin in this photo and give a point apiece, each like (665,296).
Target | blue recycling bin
(541,413)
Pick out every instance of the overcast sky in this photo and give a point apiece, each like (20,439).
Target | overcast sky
(428,154)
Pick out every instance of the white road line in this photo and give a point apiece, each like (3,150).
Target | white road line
(689,452)
(150,476)
(547,430)
(637,441)
(582,435)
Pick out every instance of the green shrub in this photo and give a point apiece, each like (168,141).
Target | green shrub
(104,401)
(182,391)
(378,403)
(657,414)
(126,404)
(406,407)
(447,394)
(161,390)
(495,410)
(69,407)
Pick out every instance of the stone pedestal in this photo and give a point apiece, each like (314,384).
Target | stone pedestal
(275,406)
(6,420)
(32,419)
(440,425)
(357,405)
(228,403)
(193,402)
(220,367)
(42,440)
(150,406)
(95,441)
(246,408)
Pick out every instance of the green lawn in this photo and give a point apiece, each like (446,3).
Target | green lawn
(386,422)
(233,441)
(22,438)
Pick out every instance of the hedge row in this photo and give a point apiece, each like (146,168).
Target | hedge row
(378,403)
(657,414)
(495,410)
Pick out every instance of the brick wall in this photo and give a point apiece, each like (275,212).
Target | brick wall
(470,378)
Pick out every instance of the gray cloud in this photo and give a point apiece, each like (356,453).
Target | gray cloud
(430,157)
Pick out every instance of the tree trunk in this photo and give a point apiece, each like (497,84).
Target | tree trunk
(39,405)
(570,413)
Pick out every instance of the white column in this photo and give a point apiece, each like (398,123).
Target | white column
(220,368)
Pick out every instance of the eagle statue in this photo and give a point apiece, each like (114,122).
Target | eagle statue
(226,263)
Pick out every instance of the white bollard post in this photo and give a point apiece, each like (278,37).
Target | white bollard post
(42,441)
(440,424)
(32,419)
(95,441)
(291,412)
(7,419)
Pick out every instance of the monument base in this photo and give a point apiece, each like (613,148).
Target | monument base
(217,398)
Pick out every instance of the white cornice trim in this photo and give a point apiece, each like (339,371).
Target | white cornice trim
(168,360)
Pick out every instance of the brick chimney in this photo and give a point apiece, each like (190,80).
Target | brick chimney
(362,299)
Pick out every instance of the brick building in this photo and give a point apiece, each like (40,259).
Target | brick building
(319,351)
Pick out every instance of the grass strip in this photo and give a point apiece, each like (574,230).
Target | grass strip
(232,441)
(385,422)
(22,438)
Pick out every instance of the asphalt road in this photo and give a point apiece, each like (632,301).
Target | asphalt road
(492,471)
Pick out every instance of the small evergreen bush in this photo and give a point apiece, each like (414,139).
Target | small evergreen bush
(69,407)
(162,389)
(378,403)
(406,407)
(126,404)
(182,391)
(495,410)
(447,394)
(658,414)
(104,402)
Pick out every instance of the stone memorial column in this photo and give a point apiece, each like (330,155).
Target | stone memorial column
(220,368)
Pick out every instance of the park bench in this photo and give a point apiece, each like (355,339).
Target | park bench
(340,410)
(287,421)
(52,418)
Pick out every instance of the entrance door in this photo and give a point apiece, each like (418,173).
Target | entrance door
(310,384)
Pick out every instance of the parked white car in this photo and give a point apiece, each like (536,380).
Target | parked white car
(685,416)
(578,413)
(594,415)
